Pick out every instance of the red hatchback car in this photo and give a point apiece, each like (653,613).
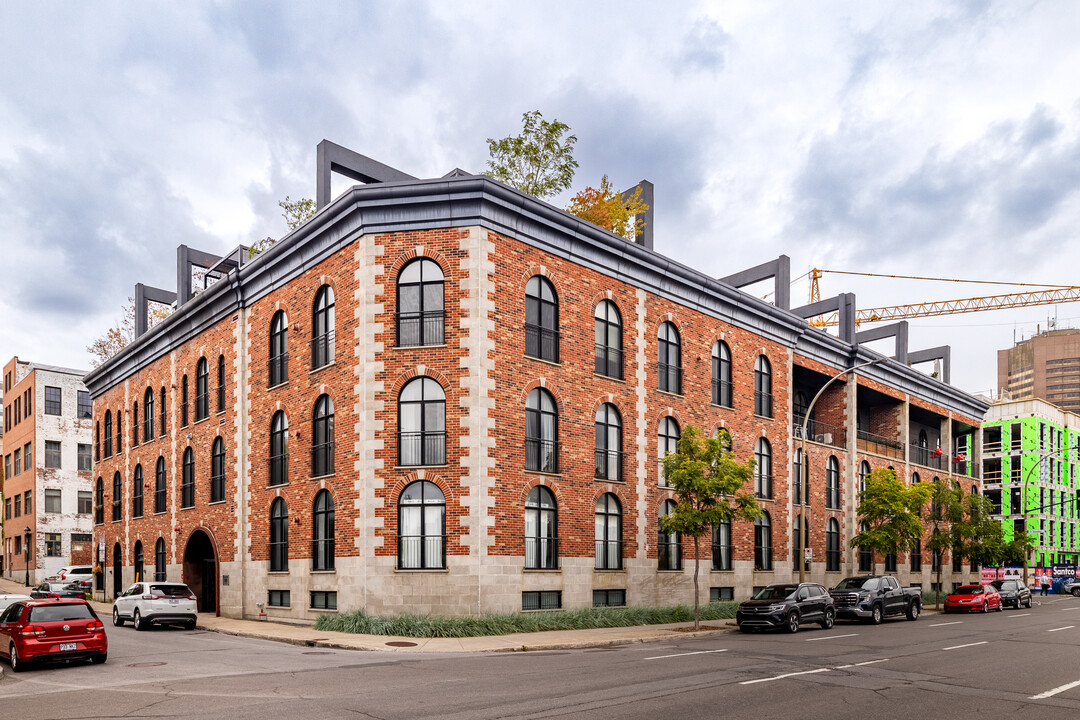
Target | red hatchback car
(59,629)
(968,598)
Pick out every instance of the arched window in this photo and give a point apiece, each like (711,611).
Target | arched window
(668,359)
(135,424)
(541,320)
(202,390)
(163,409)
(99,502)
(322,532)
(159,486)
(608,533)
(763,387)
(421,527)
(422,423)
(915,478)
(119,430)
(117,491)
(935,507)
(832,484)
(279,536)
(541,530)
(669,543)
(915,556)
(866,555)
(763,542)
(609,443)
(139,577)
(221,383)
(322,324)
(667,441)
(420,313)
(108,433)
(148,415)
(137,493)
(322,448)
(541,432)
(796,525)
(609,357)
(799,403)
(721,374)
(184,402)
(97,441)
(801,490)
(160,573)
(721,546)
(217,471)
(279,348)
(187,483)
(864,475)
(832,545)
(763,468)
(279,449)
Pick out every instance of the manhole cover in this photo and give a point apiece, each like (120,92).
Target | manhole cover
(318,652)
(401,643)
(147,664)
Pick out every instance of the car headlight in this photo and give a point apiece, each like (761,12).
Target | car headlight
(776,608)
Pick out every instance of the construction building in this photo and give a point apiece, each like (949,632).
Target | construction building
(1031,451)
(47,470)
(446,396)
(1046,366)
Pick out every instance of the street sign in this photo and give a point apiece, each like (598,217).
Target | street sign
(809,554)
(101,550)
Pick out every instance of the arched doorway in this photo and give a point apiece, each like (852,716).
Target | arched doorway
(117,571)
(200,570)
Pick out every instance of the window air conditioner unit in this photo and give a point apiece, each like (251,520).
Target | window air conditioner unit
(824,438)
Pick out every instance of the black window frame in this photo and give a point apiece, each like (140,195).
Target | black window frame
(608,339)
(160,486)
(278,367)
(108,434)
(217,471)
(322,532)
(187,482)
(53,454)
(221,384)
(202,390)
(423,326)
(609,443)
(608,532)
(541,319)
(322,441)
(54,497)
(423,444)
(763,400)
(668,358)
(135,424)
(832,545)
(137,493)
(84,458)
(541,432)
(832,483)
(148,415)
(721,546)
(421,547)
(279,449)
(541,550)
(164,406)
(666,443)
(54,400)
(763,477)
(322,328)
(117,493)
(722,394)
(85,407)
(763,545)
(279,536)
(184,402)
(160,561)
(138,561)
(668,544)
(99,502)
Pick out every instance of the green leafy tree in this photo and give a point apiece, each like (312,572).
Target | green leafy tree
(710,484)
(946,509)
(539,161)
(295,214)
(891,512)
(607,208)
(978,535)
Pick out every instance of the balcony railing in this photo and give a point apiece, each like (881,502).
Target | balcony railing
(609,465)
(927,457)
(322,350)
(763,485)
(279,369)
(721,392)
(541,553)
(869,442)
(279,469)
(967,468)
(820,432)
(421,552)
(541,343)
(541,455)
(669,378)
(609,361)
(322,459)
(609,555)
(763,404)
(421,448)
(421,328)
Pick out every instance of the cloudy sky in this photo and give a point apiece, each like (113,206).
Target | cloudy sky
(941,139)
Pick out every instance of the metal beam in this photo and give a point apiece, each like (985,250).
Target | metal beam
(144,295)
(187,258)
(779,270)
(896,330)
(942,353)
(333,158)
(844,307)
(644,236)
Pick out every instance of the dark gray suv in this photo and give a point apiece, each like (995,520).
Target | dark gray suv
(787,605)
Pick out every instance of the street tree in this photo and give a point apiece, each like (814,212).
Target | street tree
(539,161)
(608,209)
(946,509)
(978,535)
(710,484)
(891,513)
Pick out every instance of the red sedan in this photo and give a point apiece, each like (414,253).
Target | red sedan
(62,629)
(968,598)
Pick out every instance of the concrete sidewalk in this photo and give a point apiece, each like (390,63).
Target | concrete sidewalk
(550,640)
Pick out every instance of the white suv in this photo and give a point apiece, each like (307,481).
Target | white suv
(71,573)
(145,603)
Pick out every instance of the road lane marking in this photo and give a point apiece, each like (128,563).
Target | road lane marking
(1055,691)
(871,662)
(954,622)
(1020,615)
(1067,627)
(831,637)
(785,675)
(1077,607)
(699,652)
(957,647)
(842,667)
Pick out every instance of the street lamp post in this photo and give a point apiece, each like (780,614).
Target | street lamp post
(804,466)
(1023,505)
(26,553)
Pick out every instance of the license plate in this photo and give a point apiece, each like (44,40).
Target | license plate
(65,647)
(174,601)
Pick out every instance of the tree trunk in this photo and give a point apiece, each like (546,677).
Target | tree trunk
(697,562)
(937,595)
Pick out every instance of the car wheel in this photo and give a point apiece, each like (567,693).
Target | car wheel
(913,610)
(136,620)
(1029,604)
(985,608)
(190,624)
(793,621)
(1076,592)
(98,659)
(16,664)
(998,608)
(829,620)
(876,615)
(116,619)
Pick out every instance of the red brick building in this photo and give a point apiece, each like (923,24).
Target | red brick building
(447,396)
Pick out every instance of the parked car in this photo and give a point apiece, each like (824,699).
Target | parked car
(68,629)
(786,605)
(875,597)
(1072,587)
(967,598)
(146,603)
(6,600)
(1013,592)
(56,590)
(71,573)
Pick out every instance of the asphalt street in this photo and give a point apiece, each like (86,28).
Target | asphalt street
(938,667)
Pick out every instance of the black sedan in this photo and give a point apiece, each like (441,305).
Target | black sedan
(787,605)
(1013,593)
(58,590)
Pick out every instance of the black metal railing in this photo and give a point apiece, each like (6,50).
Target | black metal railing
(279,369)
(322,459)
(966,468)
(721,392)
(541,455)
(421,448)
(541,553)
(279,469)
(879,445)
(609,555)
(669,378)
(819,432)
(763,485)
(927,457)
(541,342)
(421,328)
(609,465)
(322,350)
(608,361)
(202,406)
(421,552)
(763,404)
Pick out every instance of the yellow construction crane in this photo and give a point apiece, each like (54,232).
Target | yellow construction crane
(1049,295)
